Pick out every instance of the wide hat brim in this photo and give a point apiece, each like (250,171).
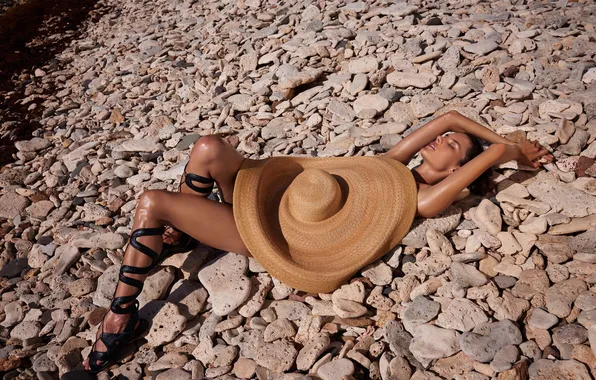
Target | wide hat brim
(379,201)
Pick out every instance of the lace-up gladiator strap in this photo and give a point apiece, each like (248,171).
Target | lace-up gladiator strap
(98,361)
(191,178)
(117,303)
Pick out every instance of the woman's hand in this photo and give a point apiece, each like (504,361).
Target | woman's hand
(525,152)
(530,152)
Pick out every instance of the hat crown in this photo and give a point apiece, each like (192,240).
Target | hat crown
(314,195)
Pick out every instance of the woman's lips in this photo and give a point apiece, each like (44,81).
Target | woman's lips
(432,146)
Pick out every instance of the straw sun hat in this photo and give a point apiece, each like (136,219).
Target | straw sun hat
(314,222)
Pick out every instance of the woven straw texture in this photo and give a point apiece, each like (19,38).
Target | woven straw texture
(315,222)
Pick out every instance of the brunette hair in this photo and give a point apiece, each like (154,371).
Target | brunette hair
(482,184)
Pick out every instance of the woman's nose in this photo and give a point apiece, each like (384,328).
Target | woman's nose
(439,139)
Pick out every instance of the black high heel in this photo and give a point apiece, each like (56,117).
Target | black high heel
(115,341)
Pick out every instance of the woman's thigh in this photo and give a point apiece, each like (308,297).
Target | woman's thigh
(211,223)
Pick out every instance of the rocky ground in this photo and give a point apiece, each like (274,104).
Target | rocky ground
(32,32)
(8,4)
(494,288)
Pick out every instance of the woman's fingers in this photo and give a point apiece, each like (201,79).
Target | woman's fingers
(533,151)
(541,153)
(537,152)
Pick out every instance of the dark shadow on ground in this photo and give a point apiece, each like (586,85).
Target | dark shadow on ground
(31,34)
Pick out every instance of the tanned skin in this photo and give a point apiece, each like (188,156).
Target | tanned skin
(440,177)
(440,181)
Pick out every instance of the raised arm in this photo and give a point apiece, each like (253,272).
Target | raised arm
(404,150)
(460,123)
(451,121)
(436,198)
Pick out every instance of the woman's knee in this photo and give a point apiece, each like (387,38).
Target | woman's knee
(150,202)
(208,148)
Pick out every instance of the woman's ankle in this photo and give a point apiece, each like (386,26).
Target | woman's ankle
(116,319)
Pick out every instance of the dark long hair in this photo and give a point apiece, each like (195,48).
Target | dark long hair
(482,184)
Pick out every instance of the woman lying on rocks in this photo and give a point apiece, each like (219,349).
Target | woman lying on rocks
(311,222)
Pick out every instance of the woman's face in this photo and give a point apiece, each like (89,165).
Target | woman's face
(446,152)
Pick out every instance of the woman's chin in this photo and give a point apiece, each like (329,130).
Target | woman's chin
(425,153)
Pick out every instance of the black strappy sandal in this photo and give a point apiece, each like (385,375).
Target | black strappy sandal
(186,242)
(115,341)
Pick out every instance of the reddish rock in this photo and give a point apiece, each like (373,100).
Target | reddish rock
(8,364)
(519,371)
(4,229)
(96,316)
(331,328)
(296,297)
(38,197)
(115,205)
(497,103)
(583,164)
(583,353)
(454,366)
(355,322)
(233,140)
(104,221)
(511,71)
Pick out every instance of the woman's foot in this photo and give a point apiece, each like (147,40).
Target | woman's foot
(112,324)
